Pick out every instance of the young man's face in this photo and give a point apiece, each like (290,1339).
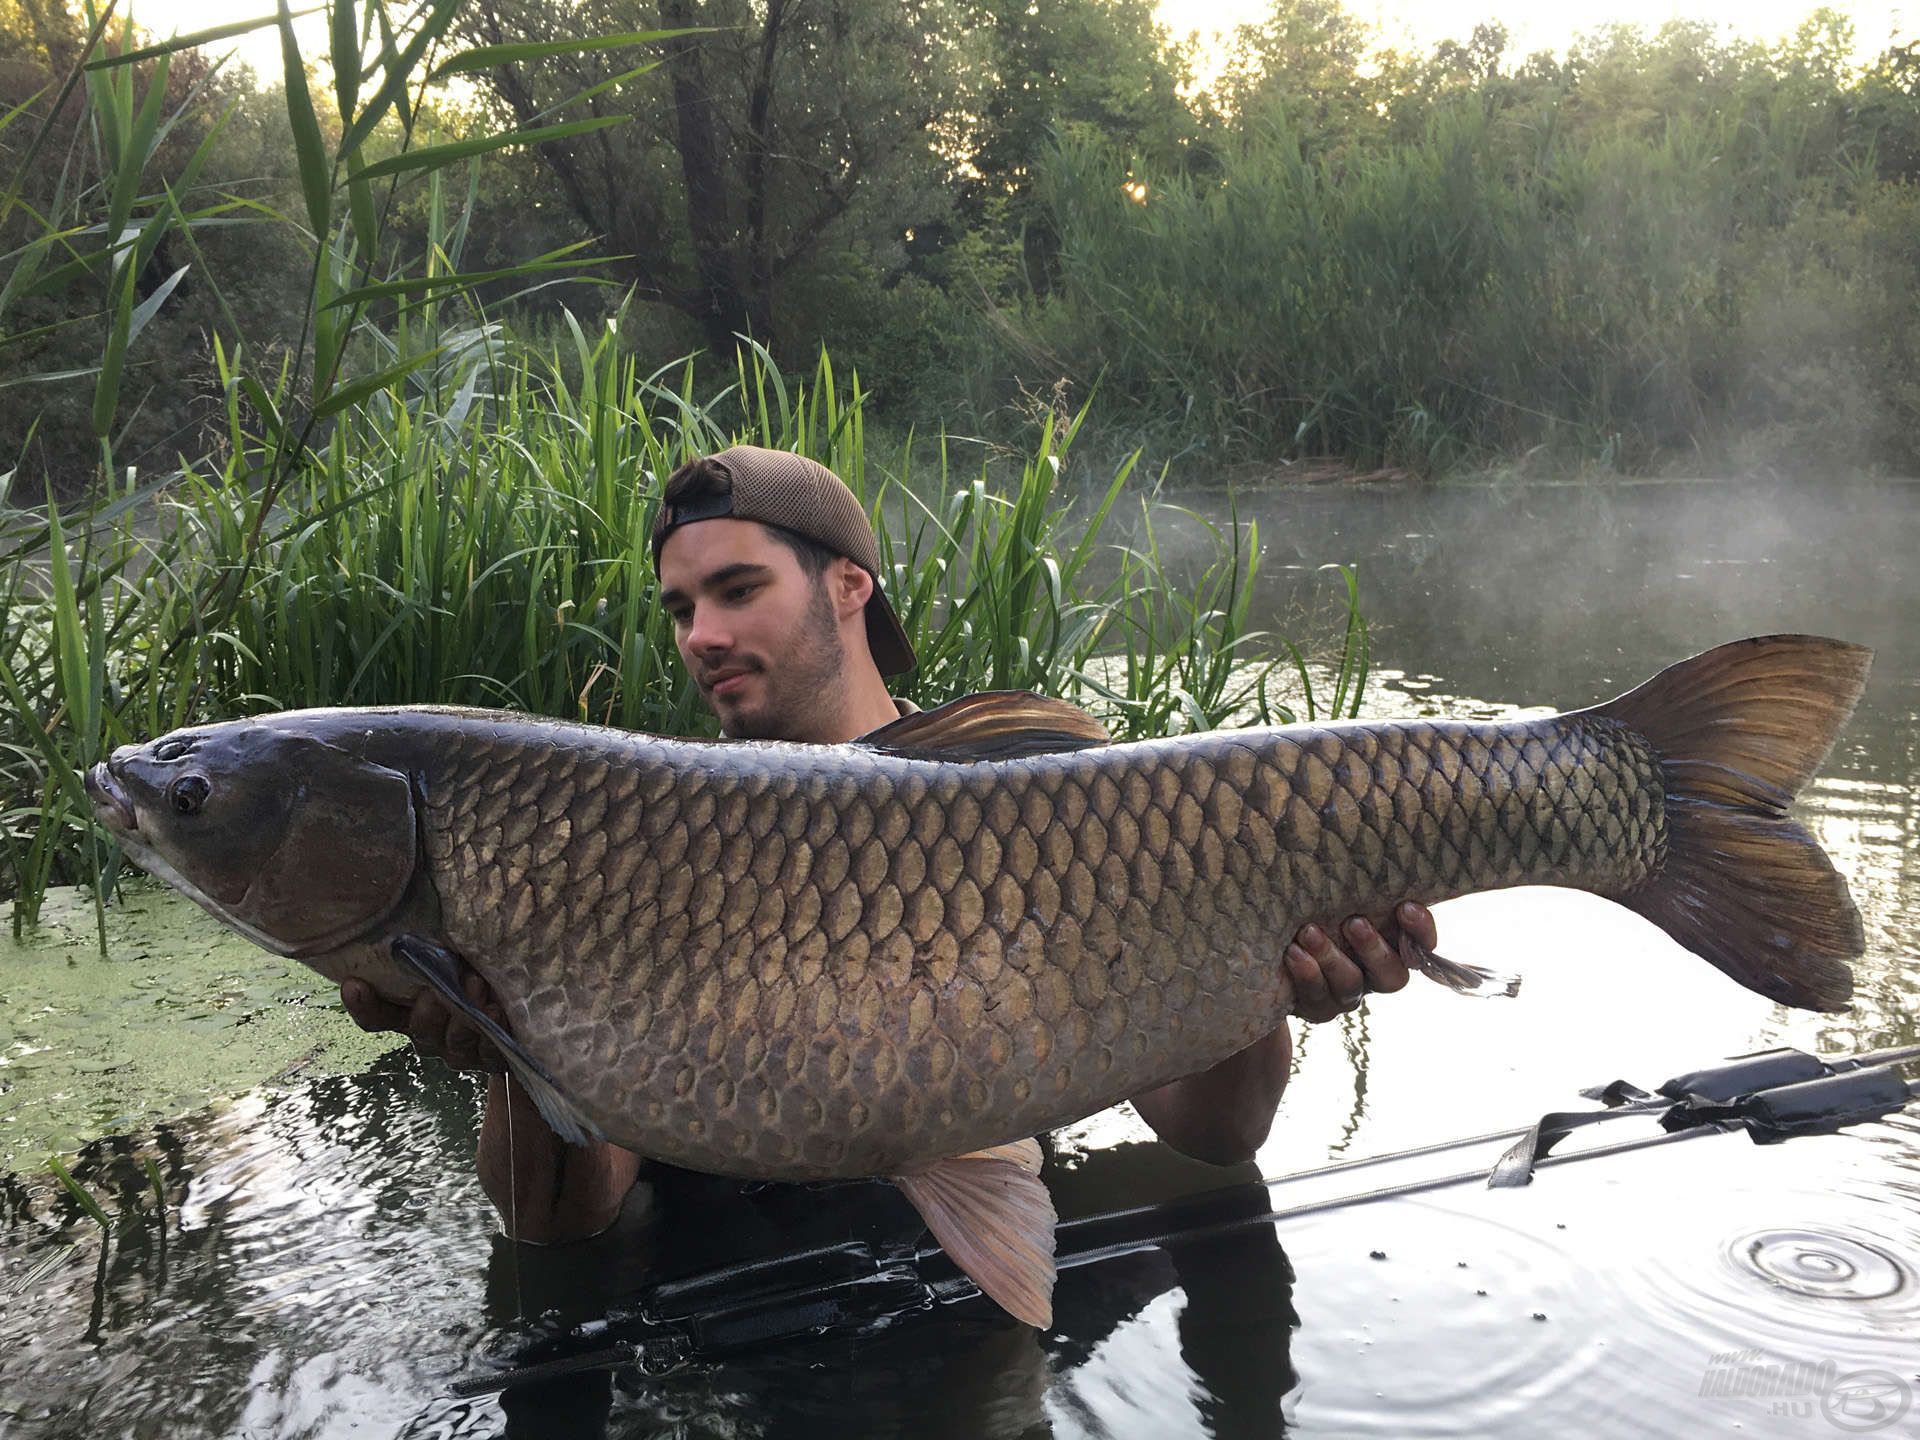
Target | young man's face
(759,635)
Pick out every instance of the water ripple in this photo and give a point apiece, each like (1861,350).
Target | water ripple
(1825,1266)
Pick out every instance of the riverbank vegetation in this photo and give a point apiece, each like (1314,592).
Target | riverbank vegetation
(480,537)
(1656,251)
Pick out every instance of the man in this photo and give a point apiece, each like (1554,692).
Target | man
(768,566)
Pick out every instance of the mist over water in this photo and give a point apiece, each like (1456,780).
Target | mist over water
(1561,594)
(328,1266)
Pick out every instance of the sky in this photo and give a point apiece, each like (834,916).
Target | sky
(1536,26)
(1533,26)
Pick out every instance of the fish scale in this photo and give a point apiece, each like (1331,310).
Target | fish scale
(853,963)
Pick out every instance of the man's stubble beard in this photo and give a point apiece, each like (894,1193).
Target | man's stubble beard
(805,685)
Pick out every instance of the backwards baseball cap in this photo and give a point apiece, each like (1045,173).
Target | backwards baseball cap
(779,488)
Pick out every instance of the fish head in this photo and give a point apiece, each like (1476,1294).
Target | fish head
(287,837)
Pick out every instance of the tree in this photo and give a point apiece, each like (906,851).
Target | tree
(1313,62)
(1106,66)
(787,124)
(1106,70)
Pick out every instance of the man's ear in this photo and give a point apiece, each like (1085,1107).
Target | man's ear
(850,586)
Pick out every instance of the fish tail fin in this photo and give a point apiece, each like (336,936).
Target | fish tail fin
(991,1213)
(1739,730)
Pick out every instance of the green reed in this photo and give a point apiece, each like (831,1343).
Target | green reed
(476,532)
(80,1195)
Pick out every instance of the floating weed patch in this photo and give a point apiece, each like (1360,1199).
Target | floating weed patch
(180,1015)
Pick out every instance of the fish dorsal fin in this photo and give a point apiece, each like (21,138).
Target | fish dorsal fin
(993,1216)
(995,725)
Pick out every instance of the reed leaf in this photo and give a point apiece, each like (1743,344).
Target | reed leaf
(212,34)
(309,147)
(487,57)
(432,157)
(81,1195)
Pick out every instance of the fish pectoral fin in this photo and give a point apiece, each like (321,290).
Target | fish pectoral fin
(993,1216)
(440,968)
(994,725)
(1462,979)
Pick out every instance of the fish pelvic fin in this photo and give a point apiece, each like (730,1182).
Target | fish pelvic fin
(993,1216)
(440,968)
(1739,730)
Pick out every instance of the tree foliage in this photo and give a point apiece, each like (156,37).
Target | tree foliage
(1666,248)
(909,184)
(773,129)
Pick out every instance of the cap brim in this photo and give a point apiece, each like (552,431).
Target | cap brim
(886,640)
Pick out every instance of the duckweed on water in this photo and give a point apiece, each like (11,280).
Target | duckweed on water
(181,1015)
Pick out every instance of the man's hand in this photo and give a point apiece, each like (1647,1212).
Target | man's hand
(434,1027)
(1328,982)
(1222,1115)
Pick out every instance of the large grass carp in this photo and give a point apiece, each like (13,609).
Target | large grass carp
(904,956)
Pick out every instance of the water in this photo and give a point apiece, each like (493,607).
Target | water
(326,1264)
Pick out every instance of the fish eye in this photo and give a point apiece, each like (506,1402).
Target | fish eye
(172,750)
(188,794)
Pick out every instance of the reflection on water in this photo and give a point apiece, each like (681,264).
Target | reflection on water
(323,1268)
(324,1264)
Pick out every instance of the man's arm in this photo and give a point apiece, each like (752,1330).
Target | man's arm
(1223,1115)
(546,1190)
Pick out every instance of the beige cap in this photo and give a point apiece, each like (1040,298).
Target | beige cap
(777,487)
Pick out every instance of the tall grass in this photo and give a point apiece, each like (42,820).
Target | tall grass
(476,533)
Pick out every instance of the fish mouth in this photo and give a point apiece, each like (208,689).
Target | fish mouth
(111,805)
(113,808)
